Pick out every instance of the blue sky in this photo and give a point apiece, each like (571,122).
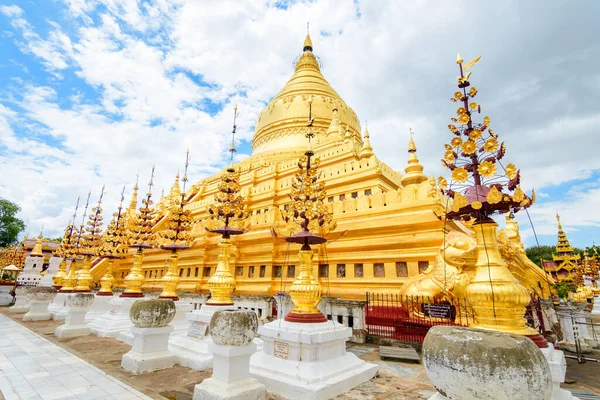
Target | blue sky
(96,91)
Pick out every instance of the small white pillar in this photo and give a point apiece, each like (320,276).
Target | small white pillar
(232,333)
(5,296)
(191,349)
(150,350)
(78,305)
(231,375)
(596,308)
(558,369)
(39,299)
(100,307)
(21,304)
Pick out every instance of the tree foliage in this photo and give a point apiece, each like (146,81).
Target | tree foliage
(10,225)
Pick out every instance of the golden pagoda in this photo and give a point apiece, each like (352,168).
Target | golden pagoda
(389,224)
(89,244)
(113,246)
(64,250)
(72,252)
(565,261)
(176,236)
(141,237)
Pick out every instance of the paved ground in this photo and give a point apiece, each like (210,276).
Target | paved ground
(394,381)
(34,368)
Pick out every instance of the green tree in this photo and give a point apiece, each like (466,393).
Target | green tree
(534,253)
(10,225)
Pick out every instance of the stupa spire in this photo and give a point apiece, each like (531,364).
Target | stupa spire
(563,247)
(307,42)
(175,192)
(367,150)
(133,202)
(414,169)
(37,248)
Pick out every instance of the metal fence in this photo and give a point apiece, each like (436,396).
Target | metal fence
(408,318)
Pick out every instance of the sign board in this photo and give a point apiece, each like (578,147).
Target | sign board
(197,329)
(446,311)
(281,349)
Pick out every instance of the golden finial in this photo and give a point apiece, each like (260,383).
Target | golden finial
(558,220)
(37,248)
(367,150)
(133,202)
(414,169)
(232,149)
(308,46)
(459,59)
(412,147)
(187,163)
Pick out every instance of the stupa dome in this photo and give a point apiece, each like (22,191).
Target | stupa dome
(282,125)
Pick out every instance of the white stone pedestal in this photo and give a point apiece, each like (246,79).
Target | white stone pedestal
(596,308)
(179,323)
(308,361)
(78,305)
(572,331)
(58,308)
(116,320)
(38,310)
(231,378)
(558,369)
(192,349)
(149,351)
(5,297)
(21,303)
(100,307)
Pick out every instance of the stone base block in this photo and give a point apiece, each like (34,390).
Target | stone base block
(116,320)
(100,307)
(5,299)
(19,309)
(308,361)
(192,349)
(38,311)
(191,352)
(217,389)
(58,308)
(558,369)
(149,352)
(572,347)
(65,331)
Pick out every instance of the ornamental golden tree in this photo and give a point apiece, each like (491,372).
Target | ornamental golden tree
(481,183)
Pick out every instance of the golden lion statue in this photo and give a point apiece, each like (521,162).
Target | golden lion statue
(450,273)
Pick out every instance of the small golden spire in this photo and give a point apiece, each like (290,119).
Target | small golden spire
(367,150)
(175,192)
(307,42)
(37,248)
(133,202)
(412,147)
(414,169)
(559,224)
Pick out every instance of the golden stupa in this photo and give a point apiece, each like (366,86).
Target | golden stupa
(389,225)
(565,261)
